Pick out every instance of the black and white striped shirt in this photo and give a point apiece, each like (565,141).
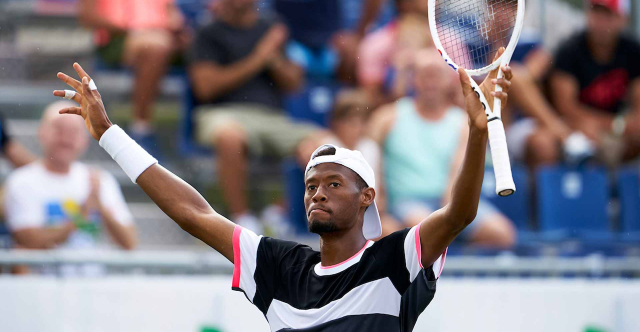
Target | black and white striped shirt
(381,288)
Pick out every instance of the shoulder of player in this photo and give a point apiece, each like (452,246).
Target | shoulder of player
(390,241)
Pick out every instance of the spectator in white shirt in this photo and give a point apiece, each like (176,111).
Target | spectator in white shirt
(58,202)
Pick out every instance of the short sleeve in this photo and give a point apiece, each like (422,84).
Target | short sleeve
(400,253)
(413,255)
(205,47)
(22,209)
(111,197)
(259,263)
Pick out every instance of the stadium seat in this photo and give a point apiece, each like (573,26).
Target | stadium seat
(573,204)
(313,103)
(516,207)
(629,193)
(294,188)
(186,143)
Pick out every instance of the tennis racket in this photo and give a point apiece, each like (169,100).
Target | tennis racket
(468,33)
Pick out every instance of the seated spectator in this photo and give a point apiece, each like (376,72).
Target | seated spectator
(145,35)
(423,141)
(535,131)
(320,44)
(239,72)
(58,202)
(595,84)
(348,124)
(386,55)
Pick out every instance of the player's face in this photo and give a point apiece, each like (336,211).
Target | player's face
(332,198)
(604,25)
(63,138)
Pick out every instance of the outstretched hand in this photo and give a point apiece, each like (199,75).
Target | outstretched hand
(477,114)
(91,107)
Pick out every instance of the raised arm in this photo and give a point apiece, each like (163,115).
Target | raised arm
(441,227)
(176,198)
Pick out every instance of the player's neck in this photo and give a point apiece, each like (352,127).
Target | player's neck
(338,247)
(54,167)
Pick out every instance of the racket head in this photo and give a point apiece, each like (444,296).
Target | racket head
(467,33)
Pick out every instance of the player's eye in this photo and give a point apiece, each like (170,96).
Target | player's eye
(334,184)
(311,187)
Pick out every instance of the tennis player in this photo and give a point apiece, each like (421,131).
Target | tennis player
(353,283)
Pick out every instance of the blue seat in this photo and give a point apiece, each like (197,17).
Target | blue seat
(629,192)
(516,207)
(313,103)
(573,203)
(294,187)
(186,143)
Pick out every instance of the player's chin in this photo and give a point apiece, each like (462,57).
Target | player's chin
(318,226)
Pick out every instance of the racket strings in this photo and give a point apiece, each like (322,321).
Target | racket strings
(471,31)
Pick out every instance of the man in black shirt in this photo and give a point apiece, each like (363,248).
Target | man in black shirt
(239,73)
(353,284)
(595,84)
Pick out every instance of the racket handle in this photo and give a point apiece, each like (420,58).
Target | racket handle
(500,156)
(497,102)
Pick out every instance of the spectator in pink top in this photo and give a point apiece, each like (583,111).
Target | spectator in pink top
(386,55)
(143,35)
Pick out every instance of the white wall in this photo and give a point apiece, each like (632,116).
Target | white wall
(187,304)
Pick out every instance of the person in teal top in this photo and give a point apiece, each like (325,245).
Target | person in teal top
(423,141)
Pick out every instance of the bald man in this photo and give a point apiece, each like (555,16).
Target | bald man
(424,142)
(58,202)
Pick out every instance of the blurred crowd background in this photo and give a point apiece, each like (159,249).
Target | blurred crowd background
(234,95)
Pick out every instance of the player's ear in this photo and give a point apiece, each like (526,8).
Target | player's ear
(368,196)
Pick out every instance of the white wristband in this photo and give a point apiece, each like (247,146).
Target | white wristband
(131,157)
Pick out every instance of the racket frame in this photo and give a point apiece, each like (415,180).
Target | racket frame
(497,139)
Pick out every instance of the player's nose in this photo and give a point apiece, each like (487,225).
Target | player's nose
(319,196)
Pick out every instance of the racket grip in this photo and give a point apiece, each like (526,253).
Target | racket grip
(500,156)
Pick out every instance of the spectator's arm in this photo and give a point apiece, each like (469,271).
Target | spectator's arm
(90,18)
(124,235)
(211,80)
(526,94)
(287,75)
(564,93)
(43,238)
(378,128)
(17,154)
(456,163)
(632,129)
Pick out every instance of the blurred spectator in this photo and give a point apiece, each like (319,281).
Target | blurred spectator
(423,141)
(239,70)
(15,152)
(386,55)
(348,123)
(320,44)
(595,84)
(59,202)
(145,35)
(535,132)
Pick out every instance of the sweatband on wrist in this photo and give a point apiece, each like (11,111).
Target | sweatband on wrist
(131,157)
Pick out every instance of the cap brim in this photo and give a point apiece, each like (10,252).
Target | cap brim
(372,227)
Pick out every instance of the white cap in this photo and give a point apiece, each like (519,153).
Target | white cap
(353,160)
